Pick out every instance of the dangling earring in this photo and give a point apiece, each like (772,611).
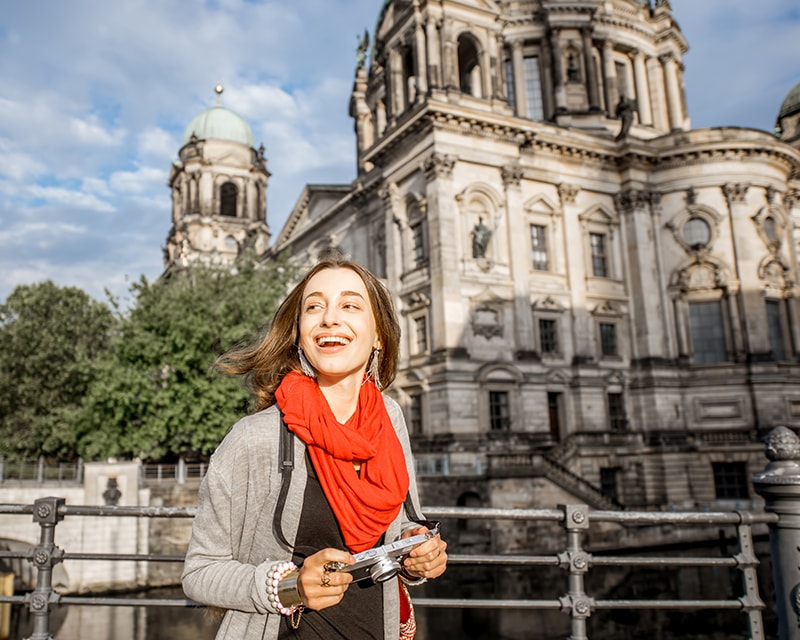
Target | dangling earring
(372,370)
(305,365)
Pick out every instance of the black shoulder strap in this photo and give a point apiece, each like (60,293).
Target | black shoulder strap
(286,448)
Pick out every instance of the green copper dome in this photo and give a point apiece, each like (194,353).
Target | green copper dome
(791,103)
(219,123)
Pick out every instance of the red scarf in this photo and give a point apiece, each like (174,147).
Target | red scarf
(364,505)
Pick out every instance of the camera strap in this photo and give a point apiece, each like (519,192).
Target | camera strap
(286,466)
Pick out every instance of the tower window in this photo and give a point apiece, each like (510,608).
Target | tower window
(534,108)
(421,332)
(469,69)
(228,193)
(418,242)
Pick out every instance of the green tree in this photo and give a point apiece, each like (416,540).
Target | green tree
(155,396)
(50,341)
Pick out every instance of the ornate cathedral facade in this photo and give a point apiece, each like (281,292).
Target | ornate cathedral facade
(599,303)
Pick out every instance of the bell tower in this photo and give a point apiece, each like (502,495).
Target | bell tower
(219,189)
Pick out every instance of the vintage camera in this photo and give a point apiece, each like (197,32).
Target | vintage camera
(382,563)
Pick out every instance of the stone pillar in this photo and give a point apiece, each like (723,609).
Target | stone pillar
(610,73)
(520,250)
(591,70)
(673,91)
(642,89)
(779,485)
(434,54)
(558,73)
(420,58)
(519,79)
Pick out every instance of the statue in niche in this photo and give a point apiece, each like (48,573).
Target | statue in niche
(624,112)
(112,494)
(573,73)
(361,50)
(481,234)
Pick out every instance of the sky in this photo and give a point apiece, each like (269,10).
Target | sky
(95,97)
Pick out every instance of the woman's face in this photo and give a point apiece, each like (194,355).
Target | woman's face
(337,327)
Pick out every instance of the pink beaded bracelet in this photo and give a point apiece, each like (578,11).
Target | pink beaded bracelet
(278,572)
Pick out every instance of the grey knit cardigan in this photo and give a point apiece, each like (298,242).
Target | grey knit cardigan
(232,543)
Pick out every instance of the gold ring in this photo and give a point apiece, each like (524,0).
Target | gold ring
(325,581)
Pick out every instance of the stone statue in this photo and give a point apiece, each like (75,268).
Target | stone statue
(361,50)
(112,494)
(481,234)
(624,112)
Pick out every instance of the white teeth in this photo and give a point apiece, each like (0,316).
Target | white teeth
(332,339)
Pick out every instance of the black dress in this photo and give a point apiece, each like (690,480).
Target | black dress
(360,613)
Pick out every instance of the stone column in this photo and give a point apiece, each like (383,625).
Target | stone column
(673,91)
(642,89)
(610,72)
(434,54)
(520,250)
(519,78)
(546,69)
(779,485)
(443,228)
(558,74)
(591,71)
(420,58)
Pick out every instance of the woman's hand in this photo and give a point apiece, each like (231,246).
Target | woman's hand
(319,588)
(426,560)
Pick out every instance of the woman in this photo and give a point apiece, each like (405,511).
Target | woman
(322,470)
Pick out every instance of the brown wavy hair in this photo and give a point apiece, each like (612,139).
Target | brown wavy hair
(263,362)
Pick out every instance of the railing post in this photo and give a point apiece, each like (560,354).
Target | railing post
(44,556)
(779,485)
(575,560)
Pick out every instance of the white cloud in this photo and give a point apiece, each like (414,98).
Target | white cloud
(71,198)
(143,180)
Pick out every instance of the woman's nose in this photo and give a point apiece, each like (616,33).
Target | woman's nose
(331,316)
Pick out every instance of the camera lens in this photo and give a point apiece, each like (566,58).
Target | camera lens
(384,569)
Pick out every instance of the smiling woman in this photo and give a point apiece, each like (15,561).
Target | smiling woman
(321,471)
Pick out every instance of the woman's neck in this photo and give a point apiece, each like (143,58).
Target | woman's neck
(342,398)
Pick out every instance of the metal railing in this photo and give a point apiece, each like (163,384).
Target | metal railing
(573,558)
(779,484)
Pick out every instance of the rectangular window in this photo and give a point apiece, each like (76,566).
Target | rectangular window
(539,247)
(554,414)
(418,243)
(622,80)
(421,331)
(609,482)
(534,108)
(708,334)
(599,255)
(775,329)
(415,414)
(730,480)
(499,411)
(548,336)
(616,412)
(608,339)
(512,96)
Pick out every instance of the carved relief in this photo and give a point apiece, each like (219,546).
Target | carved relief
(439,165)
(487,321)
(568,193)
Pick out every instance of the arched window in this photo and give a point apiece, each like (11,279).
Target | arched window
(469,68)
(228,194)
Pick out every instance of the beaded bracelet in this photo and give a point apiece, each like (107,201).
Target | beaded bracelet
(278,572)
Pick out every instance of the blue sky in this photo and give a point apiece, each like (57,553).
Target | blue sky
(95,96)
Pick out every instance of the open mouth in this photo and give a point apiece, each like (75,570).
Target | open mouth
(328,341)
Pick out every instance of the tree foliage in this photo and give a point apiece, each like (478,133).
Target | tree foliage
(155,396)
(51,339)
